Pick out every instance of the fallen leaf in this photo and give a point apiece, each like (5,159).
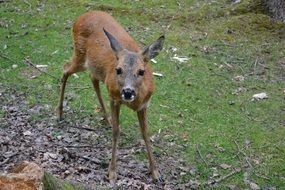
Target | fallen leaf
(239,91)
(180,59)
(225,166)
(97,110)
(239,78)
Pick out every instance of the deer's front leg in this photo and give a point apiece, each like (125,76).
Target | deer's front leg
(115,112)
(144,129)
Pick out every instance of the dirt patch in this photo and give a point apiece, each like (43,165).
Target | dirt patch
(75,151)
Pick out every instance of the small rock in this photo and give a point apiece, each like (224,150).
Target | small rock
(27,175)
(232,102)
(153,60)
(259,96)
(27,133)
(236,1)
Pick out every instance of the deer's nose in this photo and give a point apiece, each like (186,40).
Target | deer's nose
(128,94)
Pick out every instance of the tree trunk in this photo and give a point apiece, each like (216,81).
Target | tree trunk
(276,8)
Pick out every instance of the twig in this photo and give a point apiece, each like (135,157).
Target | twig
(222,178)
(228,175)
(254,68)
(84,128)
(3,55)
(34,66)
(220,75)
(79,146)
(199,152)
(7,159)
(92,160)
(240,151)
(80,87)
(262,177)
(4,162)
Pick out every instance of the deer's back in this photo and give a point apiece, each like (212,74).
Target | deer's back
(91,42)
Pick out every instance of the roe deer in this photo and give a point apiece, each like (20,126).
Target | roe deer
(102,46)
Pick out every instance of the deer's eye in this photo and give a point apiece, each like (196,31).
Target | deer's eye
(119,71)
(141,72)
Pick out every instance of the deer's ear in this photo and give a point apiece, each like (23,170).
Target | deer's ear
(153,49)
(115,45)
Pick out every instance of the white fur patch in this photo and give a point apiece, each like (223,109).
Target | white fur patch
(145,105)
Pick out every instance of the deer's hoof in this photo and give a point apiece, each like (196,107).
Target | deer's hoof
(157,177)
(160,179)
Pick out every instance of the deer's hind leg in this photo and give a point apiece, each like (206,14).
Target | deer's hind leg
(96,86)
(73,66)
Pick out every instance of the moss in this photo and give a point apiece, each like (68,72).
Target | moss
(247,6)
(52,183)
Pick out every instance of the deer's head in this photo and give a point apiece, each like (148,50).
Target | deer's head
(130,66)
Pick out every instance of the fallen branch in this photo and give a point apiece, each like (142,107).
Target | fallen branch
(84,128)
(199,152)
(90,159)
(222,178)
(79,146)
(240,151)
(27,61)
(262,177)
(7,159)
(4,162)
(80,87)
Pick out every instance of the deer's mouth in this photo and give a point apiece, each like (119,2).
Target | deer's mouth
(128,95)
(128,99)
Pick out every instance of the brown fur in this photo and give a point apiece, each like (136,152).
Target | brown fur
(92,51)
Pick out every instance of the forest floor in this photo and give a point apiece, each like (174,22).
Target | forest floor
(207,130)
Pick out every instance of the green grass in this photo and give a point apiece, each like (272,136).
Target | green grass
(194,101)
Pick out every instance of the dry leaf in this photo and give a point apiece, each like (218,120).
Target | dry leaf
(225,166)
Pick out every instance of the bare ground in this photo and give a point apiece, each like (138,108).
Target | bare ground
(75,151)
